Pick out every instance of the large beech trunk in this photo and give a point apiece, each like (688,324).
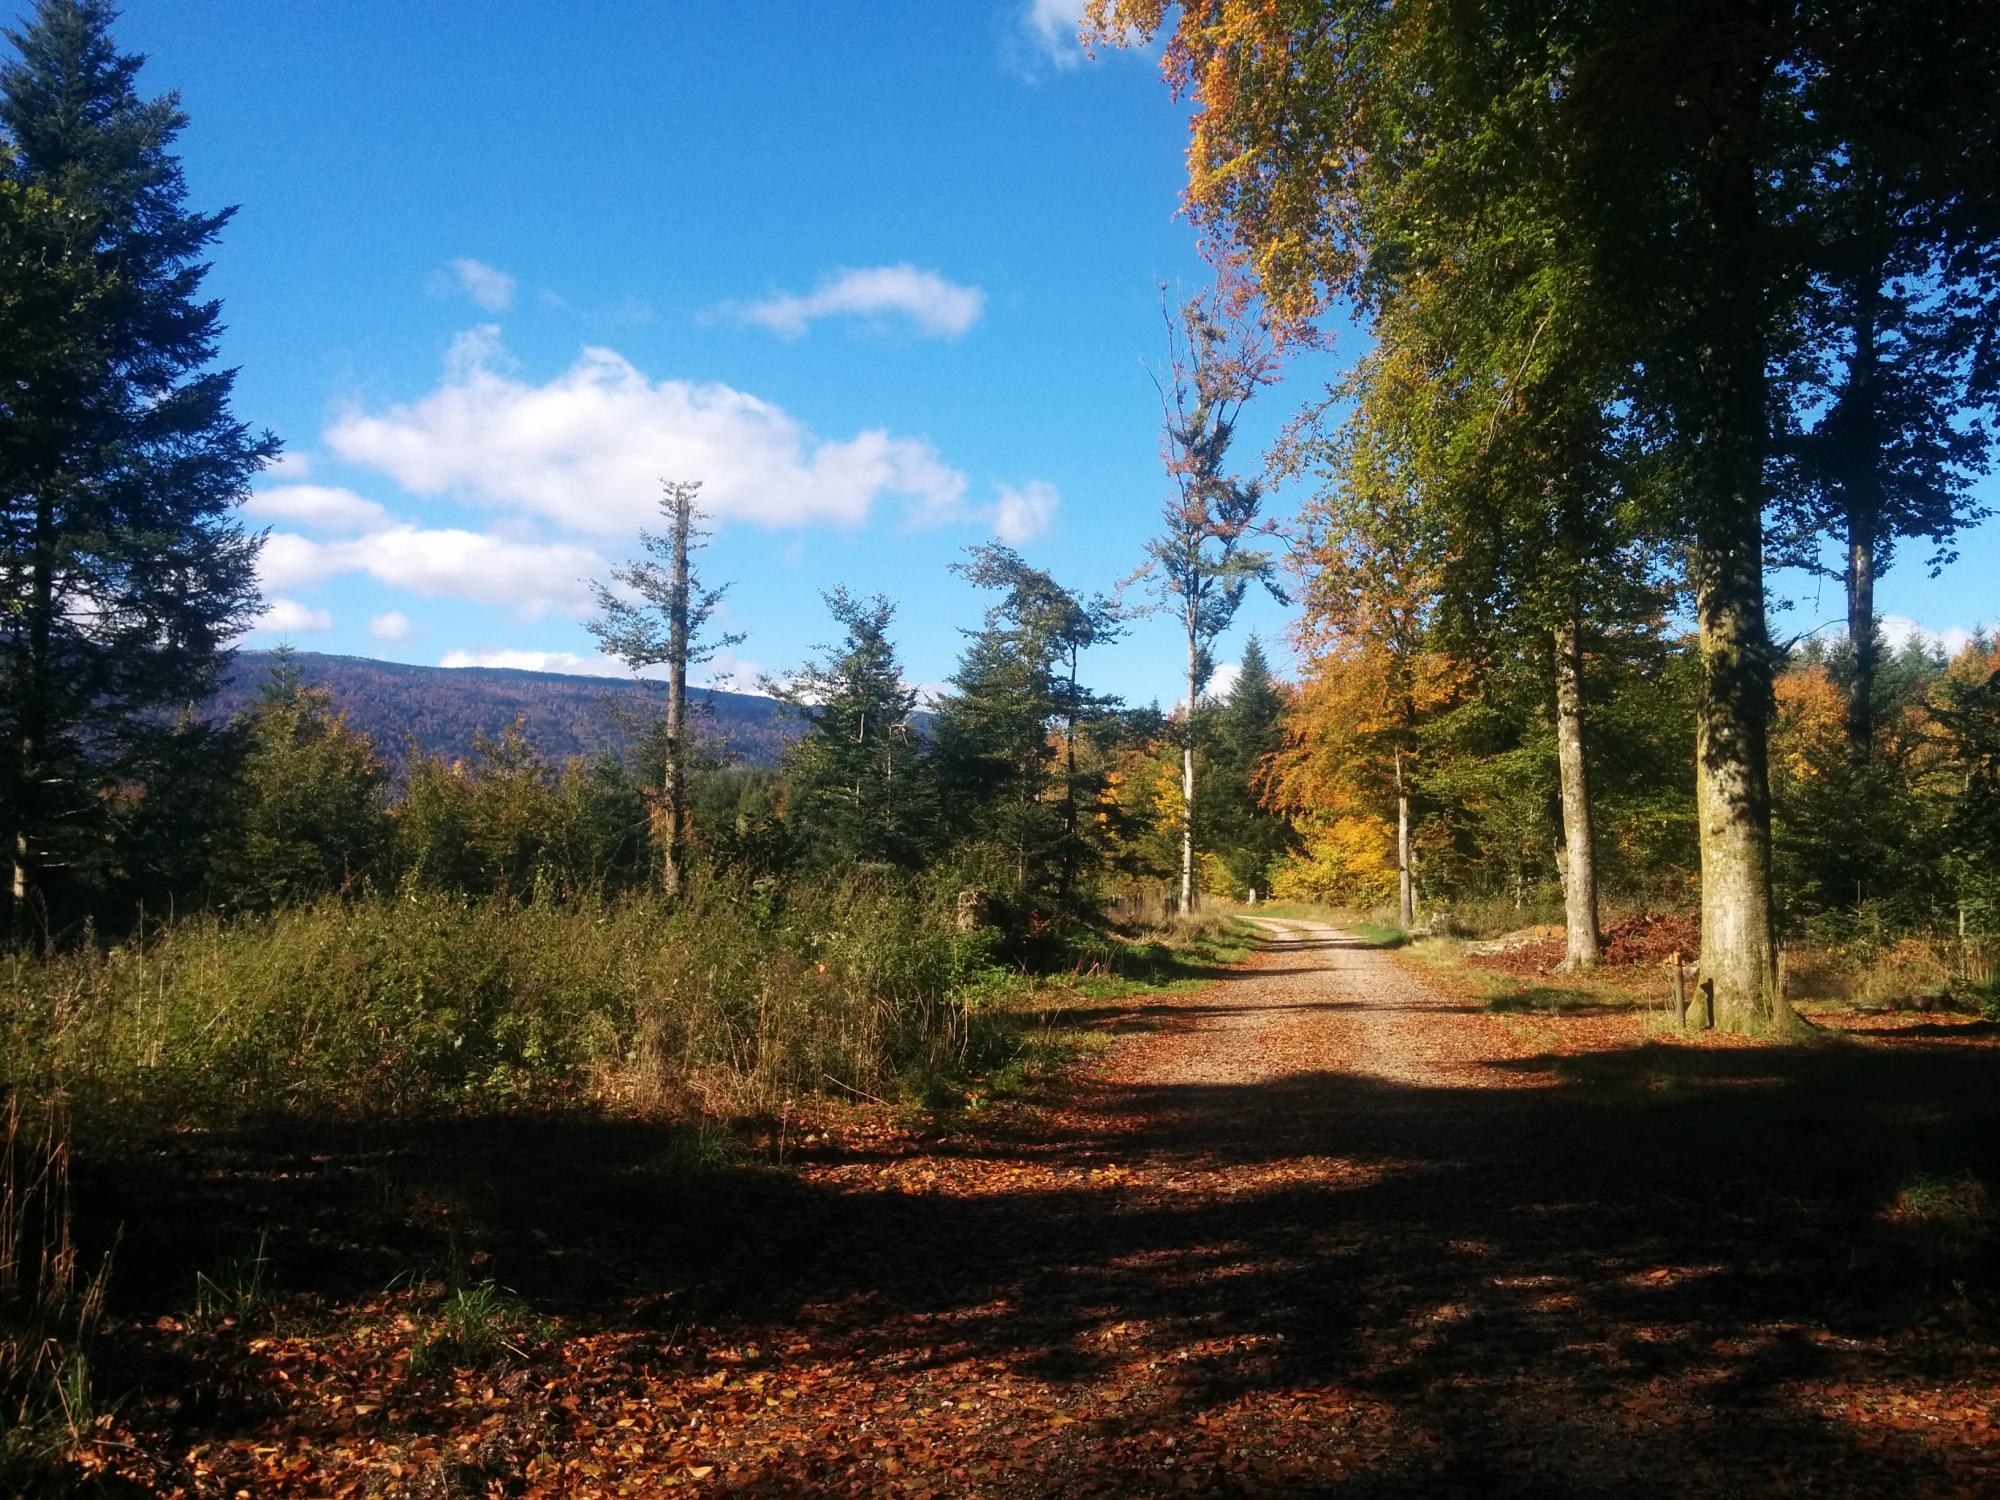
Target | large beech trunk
(1581,948)
(1729,419)
(1739,953)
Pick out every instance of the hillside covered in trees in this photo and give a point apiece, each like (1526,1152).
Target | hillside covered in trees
(443,710)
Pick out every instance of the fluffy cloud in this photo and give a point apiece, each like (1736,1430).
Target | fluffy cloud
(1021,515)
(491,288)
(588,449)
(394,626)
(940,308)
(290,464)
(1052,27)
(567,662)
(726,670)
(532,577)
(318,506)
(289,617)
(1899,631)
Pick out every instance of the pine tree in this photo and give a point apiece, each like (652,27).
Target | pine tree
(858,788)
(1005,742)
(1247,728)
(665,628)
(124,571)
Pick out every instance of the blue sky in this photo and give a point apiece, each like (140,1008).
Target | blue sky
(885,277)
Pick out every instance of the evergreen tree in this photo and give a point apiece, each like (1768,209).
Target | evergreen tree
(858,787)
(1246,727)
(665,628)
(1004,747)
(124,571)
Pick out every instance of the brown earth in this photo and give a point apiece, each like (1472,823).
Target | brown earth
(1316,1228)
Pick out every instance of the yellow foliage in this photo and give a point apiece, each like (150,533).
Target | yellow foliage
(1349,860)
(1809,726)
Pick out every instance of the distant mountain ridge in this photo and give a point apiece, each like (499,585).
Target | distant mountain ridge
(441,710)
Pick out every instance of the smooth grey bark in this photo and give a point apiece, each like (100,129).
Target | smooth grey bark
(1406,876)
(1187,766)
(673,778)
(1581,947)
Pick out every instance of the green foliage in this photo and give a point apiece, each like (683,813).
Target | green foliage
(1011,778)
(1231,821)
(123,571)
(859,789)
(313,819)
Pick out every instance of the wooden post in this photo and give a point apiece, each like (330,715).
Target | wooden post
(1680,992)
(1708,1005)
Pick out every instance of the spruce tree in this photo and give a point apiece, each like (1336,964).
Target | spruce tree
(124,571)
(1246,727)
(858,789)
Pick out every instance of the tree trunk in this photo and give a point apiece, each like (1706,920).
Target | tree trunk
(1406,878)
(1187,774)
(1580,947)
(33,710)
(1739,954)
(1727,423)
(1862,484)
(673,781)
(1067,870)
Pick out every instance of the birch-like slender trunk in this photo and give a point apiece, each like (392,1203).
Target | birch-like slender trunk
(1187,772)
(673,779)
(1406,876)
(1580,948)
(1863,491)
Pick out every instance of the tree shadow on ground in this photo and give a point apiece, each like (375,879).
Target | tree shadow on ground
(1629,1271)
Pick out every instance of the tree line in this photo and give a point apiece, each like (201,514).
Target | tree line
(1660,294)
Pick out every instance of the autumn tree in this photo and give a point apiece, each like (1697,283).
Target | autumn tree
(654,614)
(1201,564)
(123,571)
(1673,147)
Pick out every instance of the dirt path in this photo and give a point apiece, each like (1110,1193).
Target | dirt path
(1314,1228)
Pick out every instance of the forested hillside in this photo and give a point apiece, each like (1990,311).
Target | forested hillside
(443,710)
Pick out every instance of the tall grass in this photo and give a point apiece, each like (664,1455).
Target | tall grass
(421,1002)
(49,1305)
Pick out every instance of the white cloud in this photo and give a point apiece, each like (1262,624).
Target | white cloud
(291,464)
(567,662)
(588,449)
(532,577)
(1052,27)
(394,626)
(491,288)
(1899,631)
(1021,515)
(289,617)
(1222,681)
(288,560)
(940,308)
(319,506)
